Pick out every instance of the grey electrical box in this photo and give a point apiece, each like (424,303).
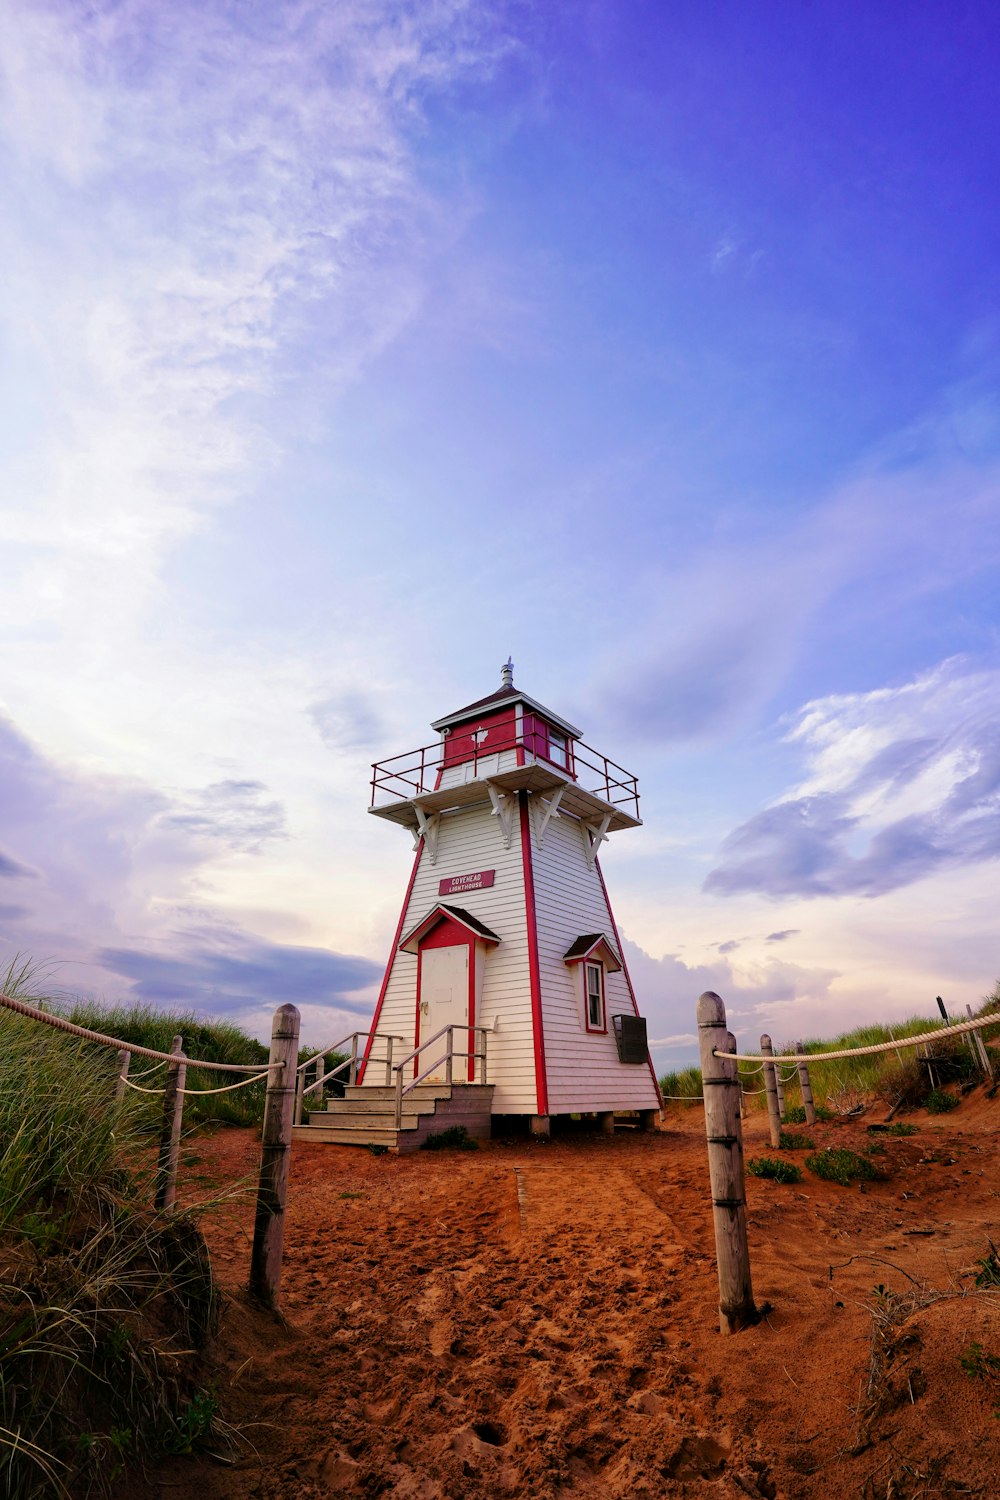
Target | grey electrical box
(630,1036)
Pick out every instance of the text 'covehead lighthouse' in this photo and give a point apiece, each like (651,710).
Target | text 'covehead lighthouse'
(506,939)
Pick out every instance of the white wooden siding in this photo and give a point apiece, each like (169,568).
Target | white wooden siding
(582,1067)
(470,840)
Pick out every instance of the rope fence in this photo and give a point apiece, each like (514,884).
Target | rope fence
(724,1092)
(279,1073)
(227,1088)
(61,1024)
(960,1028)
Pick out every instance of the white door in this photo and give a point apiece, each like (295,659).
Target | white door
(444,1001)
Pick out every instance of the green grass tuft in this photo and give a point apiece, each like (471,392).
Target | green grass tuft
(988,1275)
(685,1084)
(789,1140)
(940,1103)
(774,1169)
(838,1164)
(102,1300)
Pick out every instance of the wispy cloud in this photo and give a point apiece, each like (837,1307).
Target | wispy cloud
(349,721)
(713,636)
(13,869)
(237,814)
(197,188)
(756,995)
(230,971)
(118,901)
(901,782)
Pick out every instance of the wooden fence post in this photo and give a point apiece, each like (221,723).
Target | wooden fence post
(124,1058)
(725,1165)
(779,1089)
(771,1085)
(276,1141)
(805,1085)
(170,1130)
(981,1052)
(300,1095)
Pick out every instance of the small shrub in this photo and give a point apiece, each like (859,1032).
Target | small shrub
(899,1127)
(795,1114)
(902,1084)
(377,1150)
(875,1149)
(788,1140)
(841,1165)
(771,1167)
(988,1274)
(978,1364)
(940,1103)
(455,1138)
(193,1423)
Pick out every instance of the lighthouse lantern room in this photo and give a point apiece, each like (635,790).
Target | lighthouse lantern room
(506,944)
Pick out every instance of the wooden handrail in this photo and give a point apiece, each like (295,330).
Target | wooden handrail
(351,1062)
(447,1058)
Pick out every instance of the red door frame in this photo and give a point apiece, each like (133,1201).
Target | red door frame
(448,934)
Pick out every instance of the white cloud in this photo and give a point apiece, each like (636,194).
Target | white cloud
(901,783)
(192,192)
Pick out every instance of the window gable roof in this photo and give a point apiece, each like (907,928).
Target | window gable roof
(439,913)
(596,946)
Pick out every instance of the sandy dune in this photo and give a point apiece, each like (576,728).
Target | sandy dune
(540,1319)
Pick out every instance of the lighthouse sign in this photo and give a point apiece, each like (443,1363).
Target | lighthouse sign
(456,885)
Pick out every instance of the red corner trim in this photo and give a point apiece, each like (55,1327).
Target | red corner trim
(392,960)
(541,1082)
(628,978)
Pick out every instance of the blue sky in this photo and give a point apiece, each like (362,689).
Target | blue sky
(347,349)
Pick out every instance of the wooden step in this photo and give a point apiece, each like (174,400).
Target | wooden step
(380,1091)
(364,1120)
(317,1135)
(374,1107)
(383,1119)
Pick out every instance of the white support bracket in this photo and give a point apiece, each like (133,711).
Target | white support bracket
(427,829)
(543,819)
(503,808)
(593,838)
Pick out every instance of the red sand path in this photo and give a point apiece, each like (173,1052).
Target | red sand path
(540,1319)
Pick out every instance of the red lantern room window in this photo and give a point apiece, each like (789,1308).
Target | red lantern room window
(558,753)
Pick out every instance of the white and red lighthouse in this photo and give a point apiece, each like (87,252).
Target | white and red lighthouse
(506,923)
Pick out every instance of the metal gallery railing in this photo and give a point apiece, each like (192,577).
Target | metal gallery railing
(414,772)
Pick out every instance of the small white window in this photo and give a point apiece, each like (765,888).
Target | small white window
(557,748)
(594,996)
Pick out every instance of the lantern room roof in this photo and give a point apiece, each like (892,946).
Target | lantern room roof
(508,694)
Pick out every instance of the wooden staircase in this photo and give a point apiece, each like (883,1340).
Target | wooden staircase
(366,1116)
